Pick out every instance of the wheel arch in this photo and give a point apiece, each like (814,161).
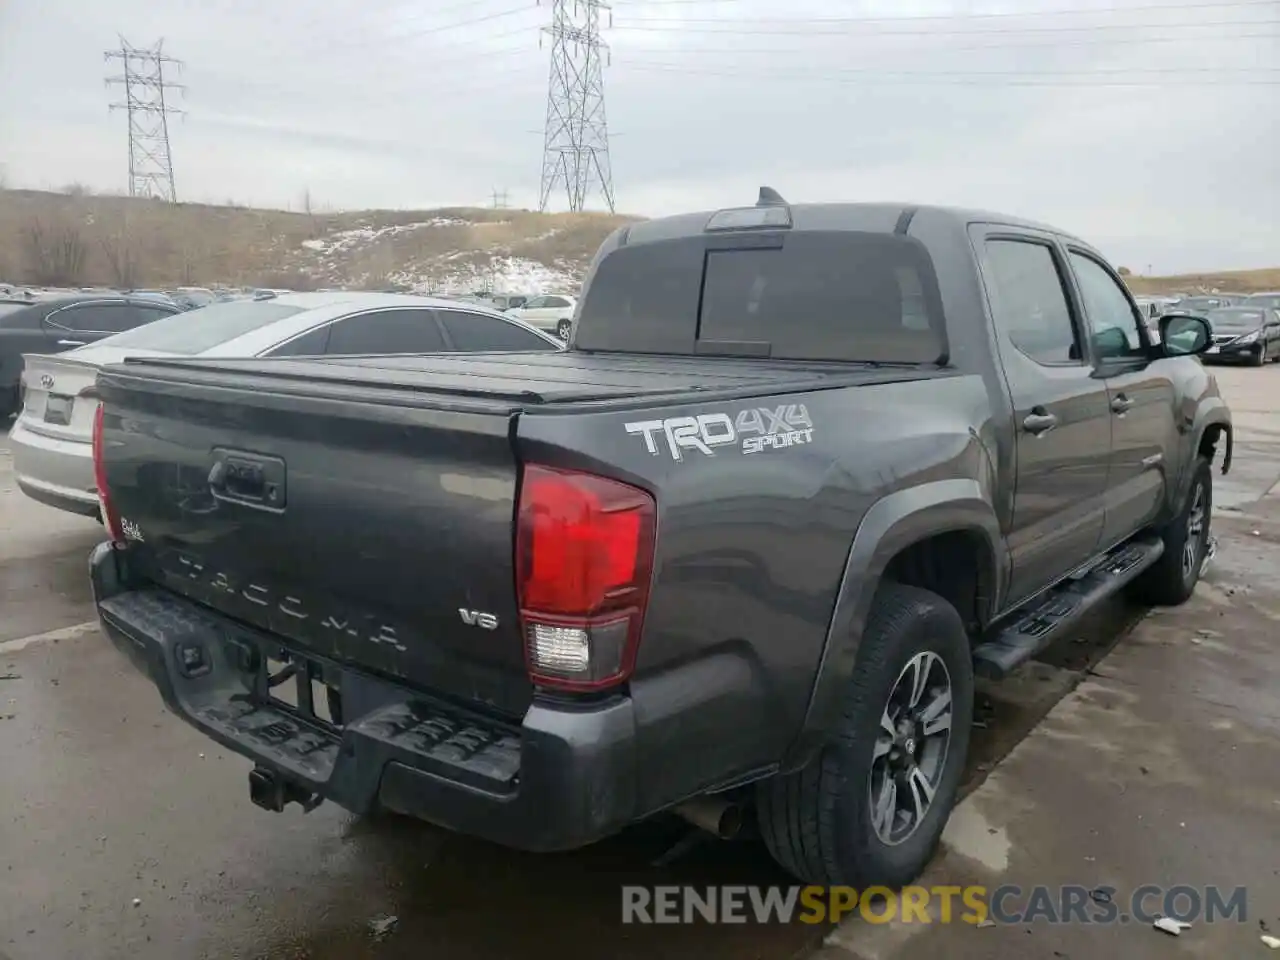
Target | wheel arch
(908,536)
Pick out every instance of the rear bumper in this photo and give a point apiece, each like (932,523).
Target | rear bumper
(559,779)
(55,472)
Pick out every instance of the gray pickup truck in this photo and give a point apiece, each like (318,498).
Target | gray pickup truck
(803,471)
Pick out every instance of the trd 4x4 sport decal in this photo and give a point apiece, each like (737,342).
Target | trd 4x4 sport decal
(753,430)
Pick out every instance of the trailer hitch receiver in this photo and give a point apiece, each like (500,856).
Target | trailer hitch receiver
(270,791)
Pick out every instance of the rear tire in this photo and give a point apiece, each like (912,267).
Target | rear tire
(563,329)
(825,823)
(1173,578)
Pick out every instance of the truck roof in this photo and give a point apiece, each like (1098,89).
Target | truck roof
(862,217)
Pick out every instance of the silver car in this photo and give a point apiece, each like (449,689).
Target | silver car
(52,437)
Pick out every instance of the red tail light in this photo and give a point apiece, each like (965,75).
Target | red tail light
(584,557)
(109,517)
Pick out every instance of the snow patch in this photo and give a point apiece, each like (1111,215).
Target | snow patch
(342,241)
(500,275)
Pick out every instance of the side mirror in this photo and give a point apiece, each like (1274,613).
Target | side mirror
(1184,335)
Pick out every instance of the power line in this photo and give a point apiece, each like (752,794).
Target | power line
(1005,78)
(990,15)
(648,26)
(1093,42)
(575,152)
(425,32)
(150,160)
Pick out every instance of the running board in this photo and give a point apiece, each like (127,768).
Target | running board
(1043,620)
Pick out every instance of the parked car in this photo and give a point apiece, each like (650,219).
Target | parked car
(56,324)
(155,295)
(753,548)
(509,301)
(1251,334)
(1200,306)
(552,312)
(1270,299)
(51,440)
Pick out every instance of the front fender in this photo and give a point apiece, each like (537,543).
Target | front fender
(892,524)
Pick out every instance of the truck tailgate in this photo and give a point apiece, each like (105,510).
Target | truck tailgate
(366,532)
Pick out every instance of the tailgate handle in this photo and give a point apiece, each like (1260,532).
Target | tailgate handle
(248,478)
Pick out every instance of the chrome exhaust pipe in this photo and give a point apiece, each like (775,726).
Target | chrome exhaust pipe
(719,817)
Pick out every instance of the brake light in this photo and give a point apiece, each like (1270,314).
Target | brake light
(109,517)
(584,558)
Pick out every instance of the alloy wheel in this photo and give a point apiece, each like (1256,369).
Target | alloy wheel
(911,748)
(1194,541)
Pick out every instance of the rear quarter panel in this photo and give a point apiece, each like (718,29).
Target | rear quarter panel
(752,551)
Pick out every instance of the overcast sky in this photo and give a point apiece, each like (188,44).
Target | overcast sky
(1148,127)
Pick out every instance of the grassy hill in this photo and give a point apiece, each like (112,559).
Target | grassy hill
(1226,281)
(66,239)
(74,239)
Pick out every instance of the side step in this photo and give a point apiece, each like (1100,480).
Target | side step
(1045,619)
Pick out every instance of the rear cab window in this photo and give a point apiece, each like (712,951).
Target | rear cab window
(817,295)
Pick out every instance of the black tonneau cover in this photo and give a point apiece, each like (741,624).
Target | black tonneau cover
(522,379)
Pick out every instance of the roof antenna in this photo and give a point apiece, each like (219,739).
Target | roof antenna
(770,197)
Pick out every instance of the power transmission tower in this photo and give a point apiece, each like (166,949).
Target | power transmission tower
(150,162)
(575,152)
(500,200)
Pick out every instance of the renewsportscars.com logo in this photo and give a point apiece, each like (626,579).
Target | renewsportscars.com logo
(753,430)
(1007,904)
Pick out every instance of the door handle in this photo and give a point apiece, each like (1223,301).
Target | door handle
(1039,421)
(1121,404)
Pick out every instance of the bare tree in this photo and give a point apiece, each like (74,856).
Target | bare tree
(55,253)
(122,256)
(309,211)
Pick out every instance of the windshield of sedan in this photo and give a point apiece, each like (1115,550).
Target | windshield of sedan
(1236,319)
(203,329)
(1200,303)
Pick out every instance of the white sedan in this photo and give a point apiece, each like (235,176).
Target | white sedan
(52,439)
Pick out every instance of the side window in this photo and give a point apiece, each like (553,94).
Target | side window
(144,315)
(1113,326)
(1028,302)
(557,302)
(313,343)
(536,303)
(475,332)
(387,331)
(94,318)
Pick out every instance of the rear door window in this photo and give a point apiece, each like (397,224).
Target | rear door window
(387,331)
(1028,301)
(476,332)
